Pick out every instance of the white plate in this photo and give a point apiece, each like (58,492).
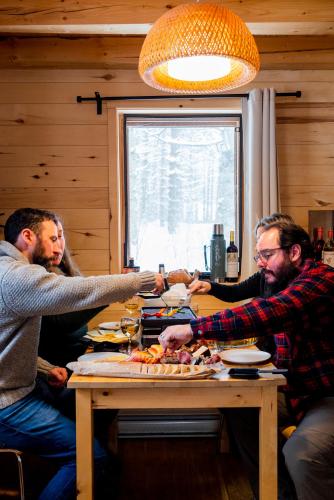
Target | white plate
(114,336)
(110,325)
(112,333)
(99,356)
(244,356)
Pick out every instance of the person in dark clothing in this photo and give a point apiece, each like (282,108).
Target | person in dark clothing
(254,286)
(61,341)
(61,336)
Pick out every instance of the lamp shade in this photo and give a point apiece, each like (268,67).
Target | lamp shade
(207,34)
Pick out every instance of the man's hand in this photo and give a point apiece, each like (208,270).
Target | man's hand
(57,377)
(159,283)
(174,336)
(199,287)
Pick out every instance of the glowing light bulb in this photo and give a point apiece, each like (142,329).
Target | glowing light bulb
(199,68)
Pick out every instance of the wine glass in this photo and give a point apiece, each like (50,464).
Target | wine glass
(129,327)
(132,305)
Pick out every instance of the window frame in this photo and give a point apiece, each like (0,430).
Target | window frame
(195,114)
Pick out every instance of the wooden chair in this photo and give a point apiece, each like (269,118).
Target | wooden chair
(18,455)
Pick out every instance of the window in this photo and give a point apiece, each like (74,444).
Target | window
(181,177)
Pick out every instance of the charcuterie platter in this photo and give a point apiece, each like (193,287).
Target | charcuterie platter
(142,370)
(193,361)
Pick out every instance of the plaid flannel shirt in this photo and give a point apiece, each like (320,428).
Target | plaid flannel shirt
(304,311)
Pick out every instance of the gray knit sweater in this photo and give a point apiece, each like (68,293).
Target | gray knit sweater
(27,292)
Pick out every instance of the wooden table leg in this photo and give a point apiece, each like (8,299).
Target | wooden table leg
(268,445)
(84,431)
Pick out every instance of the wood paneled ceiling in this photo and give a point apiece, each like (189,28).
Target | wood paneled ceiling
(283,29)
(264,17)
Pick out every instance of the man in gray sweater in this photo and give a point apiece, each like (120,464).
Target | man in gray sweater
(28,292)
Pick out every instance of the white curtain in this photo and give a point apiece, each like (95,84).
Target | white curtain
(260,186)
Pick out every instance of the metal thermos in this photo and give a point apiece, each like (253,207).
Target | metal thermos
(217,254)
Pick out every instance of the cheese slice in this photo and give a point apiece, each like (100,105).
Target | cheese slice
(200,351)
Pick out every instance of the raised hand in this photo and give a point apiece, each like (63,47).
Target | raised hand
(179,276)
(200,287)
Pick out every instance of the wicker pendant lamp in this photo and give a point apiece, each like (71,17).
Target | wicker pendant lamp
(200,49)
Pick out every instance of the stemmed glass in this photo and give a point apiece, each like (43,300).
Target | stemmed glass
(129,327)
(132,305)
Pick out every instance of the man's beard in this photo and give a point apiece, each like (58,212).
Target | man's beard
(283,278)
(39,257)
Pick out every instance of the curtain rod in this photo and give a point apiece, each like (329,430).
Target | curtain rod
(98,98)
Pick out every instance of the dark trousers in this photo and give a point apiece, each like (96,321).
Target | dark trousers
(63,399)
(34,426)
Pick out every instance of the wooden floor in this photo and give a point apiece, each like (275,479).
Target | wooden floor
(179,469)
(155,469)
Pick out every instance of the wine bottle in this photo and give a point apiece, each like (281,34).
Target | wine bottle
(131,268)
(232,264)
(318,243)
(328,250)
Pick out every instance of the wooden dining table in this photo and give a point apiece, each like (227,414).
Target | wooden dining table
(94,392)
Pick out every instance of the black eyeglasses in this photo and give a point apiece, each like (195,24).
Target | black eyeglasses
(266,254)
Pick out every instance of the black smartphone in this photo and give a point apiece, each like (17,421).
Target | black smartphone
(249,373)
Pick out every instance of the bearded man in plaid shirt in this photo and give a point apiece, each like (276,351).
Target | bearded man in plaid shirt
(301,317)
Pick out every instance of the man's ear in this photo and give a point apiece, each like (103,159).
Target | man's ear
(26,239)
(26,242)
(295,253)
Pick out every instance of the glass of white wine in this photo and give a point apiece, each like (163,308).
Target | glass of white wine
(130,327)
(132,305)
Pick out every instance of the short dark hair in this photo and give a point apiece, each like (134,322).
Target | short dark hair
(30,218)
(272,218)
(292,234)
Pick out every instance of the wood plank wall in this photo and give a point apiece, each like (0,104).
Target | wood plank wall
(54,152)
